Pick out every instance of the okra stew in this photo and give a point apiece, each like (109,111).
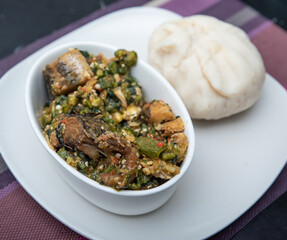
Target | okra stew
(98,121)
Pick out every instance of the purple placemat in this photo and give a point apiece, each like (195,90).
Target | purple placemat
(24,218)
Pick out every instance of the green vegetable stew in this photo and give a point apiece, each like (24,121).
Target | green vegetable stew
(98,121)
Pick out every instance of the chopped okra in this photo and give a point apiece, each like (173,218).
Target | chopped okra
(99,122)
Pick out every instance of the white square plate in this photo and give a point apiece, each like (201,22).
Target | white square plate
(236,159)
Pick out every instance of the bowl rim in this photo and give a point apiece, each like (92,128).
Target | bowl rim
(37,130)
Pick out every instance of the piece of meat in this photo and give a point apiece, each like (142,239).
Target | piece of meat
(54,140)
(119,180)
(113,180)
(158,112)
(90,150)
(179,143)
(131,157)
(67,72)
(171,127)
(74,132)
(82,126)
(80,131)
(93,126)
(110,143)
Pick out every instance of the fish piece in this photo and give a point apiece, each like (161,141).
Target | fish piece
(54,140)
(74,132)
(117,180)
(93,125)
(78,125)
(112,179)
(111,143)
(158,111)
(171,127)
(178,144)
(67,72)
(80,131)
(90,150)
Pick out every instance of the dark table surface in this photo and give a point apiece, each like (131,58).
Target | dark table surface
(22,22)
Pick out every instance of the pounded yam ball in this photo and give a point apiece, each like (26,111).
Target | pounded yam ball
(213,65)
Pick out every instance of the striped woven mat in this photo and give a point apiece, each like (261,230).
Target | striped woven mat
(23,218)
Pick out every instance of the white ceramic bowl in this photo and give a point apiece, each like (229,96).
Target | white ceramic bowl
(154,87)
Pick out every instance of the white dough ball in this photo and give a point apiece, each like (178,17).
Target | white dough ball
(213,65)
